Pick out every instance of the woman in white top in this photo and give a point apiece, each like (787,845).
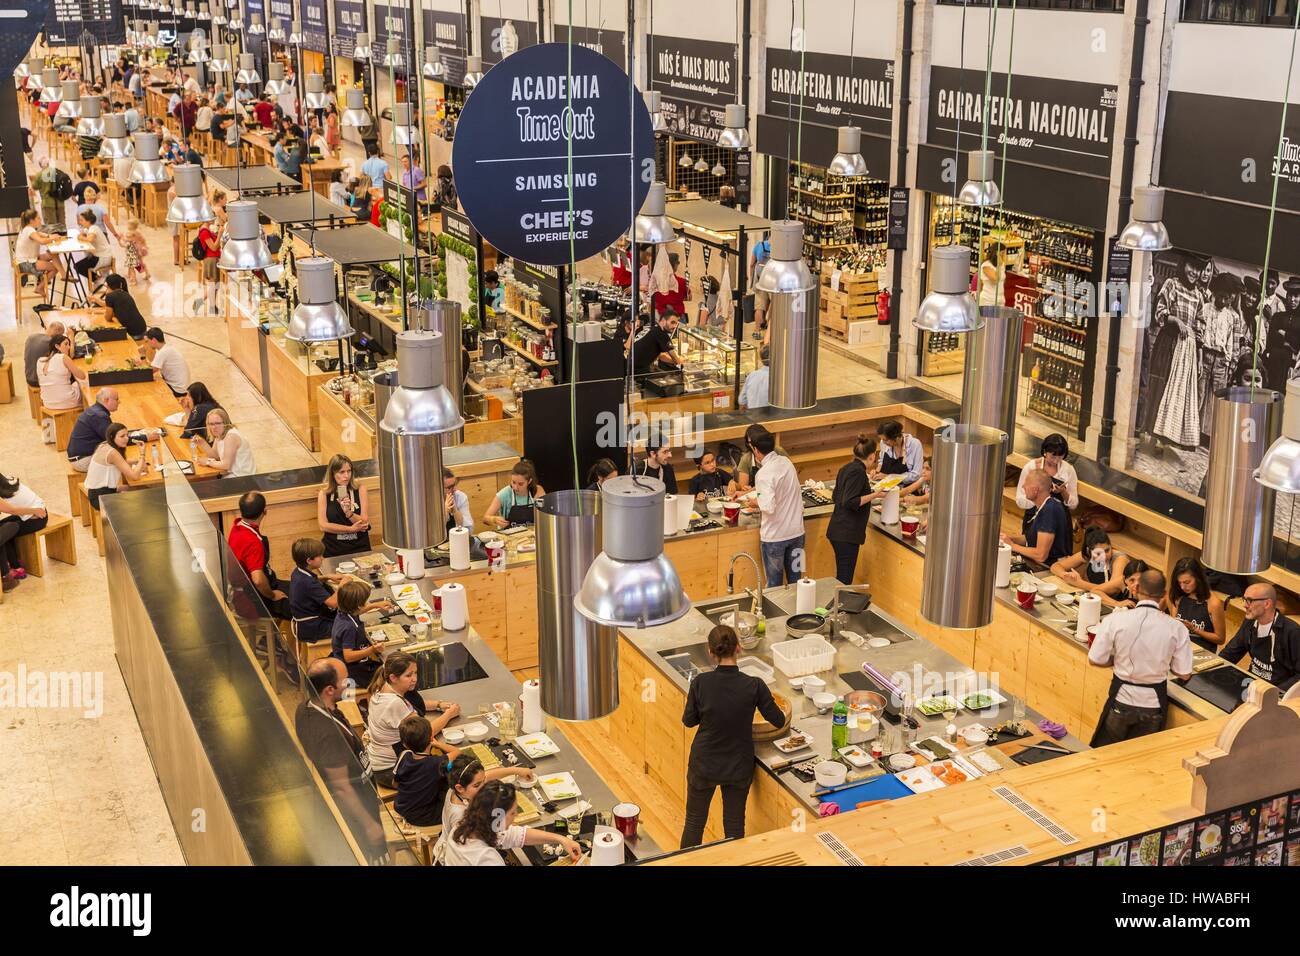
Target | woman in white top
(32,259)
(466,777)
(338,188)
(59,376)
(101,253)
(224,448)
(108,465)
(21,512)
(389,706)
(488,826)
(1065,483)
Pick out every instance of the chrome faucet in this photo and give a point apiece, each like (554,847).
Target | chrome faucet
(758,574)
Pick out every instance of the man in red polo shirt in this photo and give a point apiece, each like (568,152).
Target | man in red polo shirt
(253,552)
(264,112)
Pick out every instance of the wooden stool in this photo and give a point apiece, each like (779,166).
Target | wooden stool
(115,196)
(6,382)
(34,402)
(19,278)
(76,485)
(64,419)
(92,517)
(60,544)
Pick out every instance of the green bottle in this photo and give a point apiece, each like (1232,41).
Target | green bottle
(839,726)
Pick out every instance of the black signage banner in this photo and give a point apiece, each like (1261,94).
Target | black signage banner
(446,31)
(499,34)
(1064,124)
(14,199)
(67,21)
(280,10)
(458,227)
(349,20)
(315,31)
(609,43)
(697,79)
(542,154)
(834,90)
(27,18)
(393,21)
(899,205)
(744,186)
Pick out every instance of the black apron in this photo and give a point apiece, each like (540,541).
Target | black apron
(347,542)
(1198,612)
(891,464)
(520,514)
(1093,577)
(1099,739)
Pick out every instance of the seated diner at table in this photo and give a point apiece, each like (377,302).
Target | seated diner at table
(196,403)
(1097,567)
(61,378)
(488,827)
(223,447)
(108,465)
(22,512)
(1047,535)
(348,639)
(393,697)
(466,777)
(311,602)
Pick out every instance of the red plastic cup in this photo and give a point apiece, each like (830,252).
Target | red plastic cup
(1026,597)
(1092,634)
(731,512)
(910,523)
(626,818)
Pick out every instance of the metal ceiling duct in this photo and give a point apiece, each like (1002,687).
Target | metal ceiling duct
(792,318)
(433,68)
(735,132)
(1146,232)
(848,160)
(51,88)
(355,113)
(1280,469)
(949,307)
(190,205)
(655,104)
(318,317)
(92,117)
(651,224)
(631,583)
(361,47)
(992,370)
(147,168)
(444,316)
(404,130)
(965,518)
(418,412)
(276,85)
(980,188)
(246,249)
(248,74)
(315,98)
(1238,536)
(577,658)
(70,101)
(115,144)
(473,71)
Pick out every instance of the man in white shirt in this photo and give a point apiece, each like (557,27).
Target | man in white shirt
(780,500)
(458,512)
(167,359)
(1142,645)
(756,390)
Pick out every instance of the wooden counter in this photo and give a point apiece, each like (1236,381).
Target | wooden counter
(315,175)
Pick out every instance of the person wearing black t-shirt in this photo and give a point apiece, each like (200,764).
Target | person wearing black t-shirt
(311,602)
(711,481)
(420,775)
(657,464)
(121,306)
(653,348)
(1048,535)
(196,401)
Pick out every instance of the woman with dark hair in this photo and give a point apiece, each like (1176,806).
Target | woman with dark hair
(21,512)
(513,504)
(1192,602)
(59,376)
(1098,567)
(466,777)
(108,465)
(600,473)
(1129,596)
(488,827)
(1051,459)
(343,510)
(197,401)
(721,703)
(847,528)
(391,689)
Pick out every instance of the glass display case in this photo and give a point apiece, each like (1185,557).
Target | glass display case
(709,355)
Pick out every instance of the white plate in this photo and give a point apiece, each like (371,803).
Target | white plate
(936,705)
(997,699)
(405,592)
(559,786)
(856,756)
(786,747)
(537,745)
(902,762)
(920,779)
(878,642)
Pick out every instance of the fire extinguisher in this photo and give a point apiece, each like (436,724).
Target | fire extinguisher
(882,307)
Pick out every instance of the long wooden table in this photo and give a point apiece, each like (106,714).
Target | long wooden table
(314,175)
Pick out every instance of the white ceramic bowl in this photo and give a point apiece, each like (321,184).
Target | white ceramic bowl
(396,577)
(715,506)
(347,567)
(1065,597)
(812,686)
(830,773)
(524,780)
(1047,589)
(975,738)
(453,736)
(476,731)
(824,701)
(902,762)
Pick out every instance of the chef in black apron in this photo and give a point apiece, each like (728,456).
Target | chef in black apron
(1271,639)
(342,500)
(513,504)
(896,448)
(1142,646)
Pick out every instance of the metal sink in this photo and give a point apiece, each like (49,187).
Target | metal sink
(690,661)
(714,610)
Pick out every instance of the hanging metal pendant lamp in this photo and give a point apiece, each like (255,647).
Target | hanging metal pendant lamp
(115,144)
(950,306)
(247,75)
(190,205)
(965,521)
(355,113)
(296,37)
(236,21)
(631,583)
(655,105)
(848,159)
(276,84)
(989,379)
(205,11)
(473,71)
(219,16)
(1280,468)
(980,188)
(315,98)
(318,317)
(220,62)
(735,134)
(70,100)
(276,32)
(405,132)
(792,318)
(393,58)
(361,47)
(51,87)
(255,25)
(444,316)
(1239,510)
(147,167)
(433,68)
(1146,232)
(685,162)
(246,249)
(719,170)
(651,226)
(35,67)
(199,51)
(92,117)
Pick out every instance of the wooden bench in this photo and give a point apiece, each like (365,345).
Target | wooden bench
(60,544)
(34,403)
(64,419)
(6,382)
(77,482)
(91,516)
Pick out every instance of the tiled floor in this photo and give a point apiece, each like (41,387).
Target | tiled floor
(81,789)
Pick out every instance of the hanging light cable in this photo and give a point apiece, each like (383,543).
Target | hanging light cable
(848,159)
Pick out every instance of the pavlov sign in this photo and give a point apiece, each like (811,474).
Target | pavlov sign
(511,154)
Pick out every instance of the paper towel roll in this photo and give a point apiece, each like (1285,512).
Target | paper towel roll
(889,510)
(532,719)
(459,538)
(685,505)
(455,607)
(670,514)
(1089,613)
(606,847)
(413,564)
(805,596)
(1003,577)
